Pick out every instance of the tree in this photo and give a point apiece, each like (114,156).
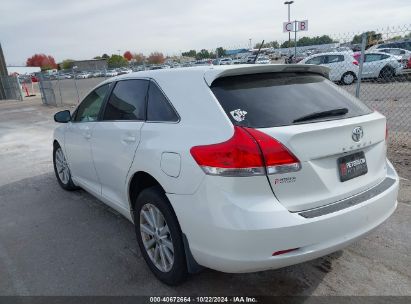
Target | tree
(45,62)
(203,54)
(139,58)
(105,56)
(66,64)
(287,44)
(97,57)
(128,55)
(156,58)
(372,38)
(306,41)
(271,44)
(190,53)
(220,52)
(116,61)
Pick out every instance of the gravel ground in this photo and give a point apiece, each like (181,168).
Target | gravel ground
(54,242)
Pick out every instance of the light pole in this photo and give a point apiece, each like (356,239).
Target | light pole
(288,3)
(250,43)
(75,83)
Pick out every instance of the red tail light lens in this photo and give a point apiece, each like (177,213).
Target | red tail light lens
(249,152)
(284,251)
(355,62)
(278,159)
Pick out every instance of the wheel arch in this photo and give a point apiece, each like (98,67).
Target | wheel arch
(56,144)
(139,181)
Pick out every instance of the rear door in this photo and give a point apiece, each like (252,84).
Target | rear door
(372,65)
(272,103)
(336,65)
(117,136)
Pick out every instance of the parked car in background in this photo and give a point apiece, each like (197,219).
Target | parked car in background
(380,65)
(404,54)
(123,71)
(83,75)
(250,59)
(404,44)
(225,61)
(234,168)
(343,66)
(98,74)
(263,60)
(110,73)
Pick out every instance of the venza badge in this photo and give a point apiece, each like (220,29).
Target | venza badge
(357,134)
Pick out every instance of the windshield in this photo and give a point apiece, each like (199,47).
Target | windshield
(278,99)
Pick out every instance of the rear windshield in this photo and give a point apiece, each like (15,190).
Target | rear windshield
(277,99)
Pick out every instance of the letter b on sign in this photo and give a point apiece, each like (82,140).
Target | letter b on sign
(303,25)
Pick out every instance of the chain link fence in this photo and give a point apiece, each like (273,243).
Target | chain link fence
(11,87)
(382,58)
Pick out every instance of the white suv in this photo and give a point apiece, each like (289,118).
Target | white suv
(343,67)
(236,168)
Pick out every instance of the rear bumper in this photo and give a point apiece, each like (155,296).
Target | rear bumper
(230,230)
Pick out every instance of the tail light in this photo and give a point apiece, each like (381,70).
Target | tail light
(355,62)
(284,251)
(249,152)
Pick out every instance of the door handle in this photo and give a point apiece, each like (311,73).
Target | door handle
(129,139)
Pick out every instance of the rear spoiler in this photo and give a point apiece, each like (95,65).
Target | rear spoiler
(218,72)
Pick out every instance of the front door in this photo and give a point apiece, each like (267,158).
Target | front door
(77,140)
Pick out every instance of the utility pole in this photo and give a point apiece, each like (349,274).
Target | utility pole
(249,43)
(295,40)
(288,3)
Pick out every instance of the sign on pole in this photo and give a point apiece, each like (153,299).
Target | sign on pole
(288,26)
(303,25)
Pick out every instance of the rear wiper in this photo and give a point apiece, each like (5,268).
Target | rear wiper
(329,113)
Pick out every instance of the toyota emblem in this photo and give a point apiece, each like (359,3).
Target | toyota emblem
(357,134)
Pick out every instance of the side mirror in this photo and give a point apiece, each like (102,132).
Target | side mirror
(62,116)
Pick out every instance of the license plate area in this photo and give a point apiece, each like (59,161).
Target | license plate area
(352,165)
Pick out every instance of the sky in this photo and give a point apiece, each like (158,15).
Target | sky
(83,29)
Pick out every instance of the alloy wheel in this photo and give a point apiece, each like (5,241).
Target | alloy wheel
(62,167)
(156,237)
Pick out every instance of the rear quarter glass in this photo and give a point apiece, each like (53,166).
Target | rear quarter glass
(277,99)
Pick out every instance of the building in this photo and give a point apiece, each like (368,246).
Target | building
(90,65)
(3,74)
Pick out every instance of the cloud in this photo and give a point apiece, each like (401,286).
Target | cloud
(83,29)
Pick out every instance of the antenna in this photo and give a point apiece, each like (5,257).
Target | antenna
(258,53)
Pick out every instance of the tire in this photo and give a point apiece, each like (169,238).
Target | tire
(151,201)
(348,78)
(62,170)
(387,73)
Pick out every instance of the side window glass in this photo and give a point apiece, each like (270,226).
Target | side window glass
(90,107)
(159,108)
(127,101)
(372,57)
(316,60)
(334,58)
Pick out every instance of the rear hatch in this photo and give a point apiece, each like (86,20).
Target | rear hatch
(339,141)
